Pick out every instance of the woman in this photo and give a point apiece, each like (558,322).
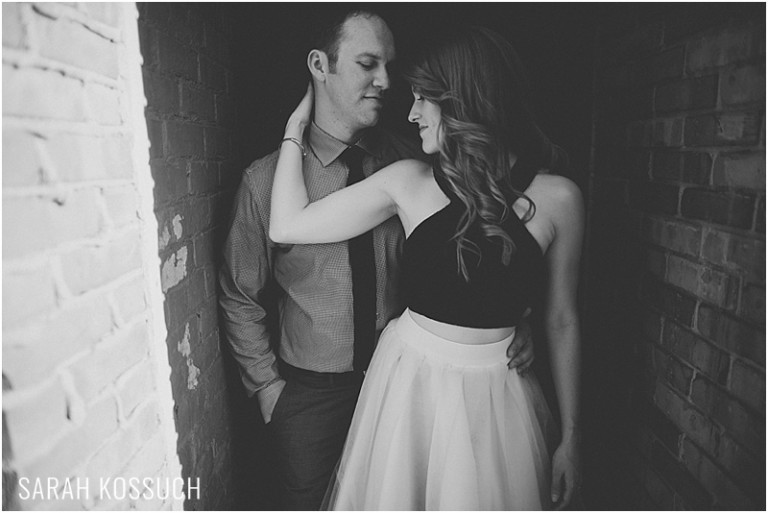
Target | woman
(441,423)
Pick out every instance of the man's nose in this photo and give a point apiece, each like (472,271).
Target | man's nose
(381,79)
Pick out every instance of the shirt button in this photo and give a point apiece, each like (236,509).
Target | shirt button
(378,316)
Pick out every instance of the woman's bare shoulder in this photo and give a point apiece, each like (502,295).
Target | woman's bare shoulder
(554,187)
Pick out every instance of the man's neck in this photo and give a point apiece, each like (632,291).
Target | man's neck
(341,134)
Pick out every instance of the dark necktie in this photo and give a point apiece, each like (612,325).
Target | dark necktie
(363,265)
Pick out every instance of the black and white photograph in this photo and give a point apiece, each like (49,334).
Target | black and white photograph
(383,256)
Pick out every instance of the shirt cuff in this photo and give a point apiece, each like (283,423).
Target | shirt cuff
(268,398)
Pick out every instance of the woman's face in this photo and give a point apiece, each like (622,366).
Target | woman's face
(426,115)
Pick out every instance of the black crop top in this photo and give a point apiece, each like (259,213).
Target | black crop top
(496,295)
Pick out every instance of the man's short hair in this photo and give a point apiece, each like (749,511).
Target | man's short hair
(331,30)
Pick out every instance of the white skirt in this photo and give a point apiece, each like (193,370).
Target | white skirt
(441,425)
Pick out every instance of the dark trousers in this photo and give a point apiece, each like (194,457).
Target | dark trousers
(310,424)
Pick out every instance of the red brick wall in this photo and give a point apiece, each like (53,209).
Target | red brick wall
(190,117)
(676,267)
(85,393)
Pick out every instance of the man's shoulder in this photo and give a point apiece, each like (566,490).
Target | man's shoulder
(261,171)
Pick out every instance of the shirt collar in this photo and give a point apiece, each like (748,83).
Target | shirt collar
(327,148)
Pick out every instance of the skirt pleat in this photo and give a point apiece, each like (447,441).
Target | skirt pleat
(443,426)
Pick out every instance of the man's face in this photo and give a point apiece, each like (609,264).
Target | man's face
(357,86)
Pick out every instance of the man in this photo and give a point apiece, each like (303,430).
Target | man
(307,395)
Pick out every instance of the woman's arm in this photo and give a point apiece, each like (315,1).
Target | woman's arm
(562,330)
(339,216)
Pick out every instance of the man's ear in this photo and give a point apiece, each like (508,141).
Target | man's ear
(317,62)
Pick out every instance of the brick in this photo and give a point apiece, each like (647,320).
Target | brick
(14,28)
(71,43)
(21,167)
(717,483)
(27,293)
(745,467)
(743,85)
(690,94)
(33,354)
(689,19)
(176,59)
(162,93)
(747,256)
(78,445)
(748,384)
(171,180)
(665,430)
(226,111)
(106,13)
(176,305)
(149,44)
(696,351)
(720,207)
(184,139)
(114,455)
(217,144)
(677,236)
(36,93)
(668,133)
(78,157)
(155,133)
(730,46)
(654,197)
(753,302)
(663,66)
(204,177)
(744,170)
(122,205)
(673,371)
(103,104)
(130,299)
(675,474)
(109,359)
(135,387)
(213,75)
(95,265)
(724,129)
(211,280)
(697,168)
(744,426)
(686,417)
(670,301)
(40,417)
(197,102)
(38,223)
(732,334)
(683,273)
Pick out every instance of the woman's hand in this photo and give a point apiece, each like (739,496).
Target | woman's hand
(299,119)
(566,474)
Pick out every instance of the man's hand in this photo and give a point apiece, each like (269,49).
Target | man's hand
(520,351)
(268,399)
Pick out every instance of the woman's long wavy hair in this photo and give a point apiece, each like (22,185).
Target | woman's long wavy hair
(488,131)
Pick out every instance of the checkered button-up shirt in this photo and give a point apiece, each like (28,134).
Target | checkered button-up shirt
(310,285)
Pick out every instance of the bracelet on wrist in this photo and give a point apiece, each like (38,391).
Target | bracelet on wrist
(297,143)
